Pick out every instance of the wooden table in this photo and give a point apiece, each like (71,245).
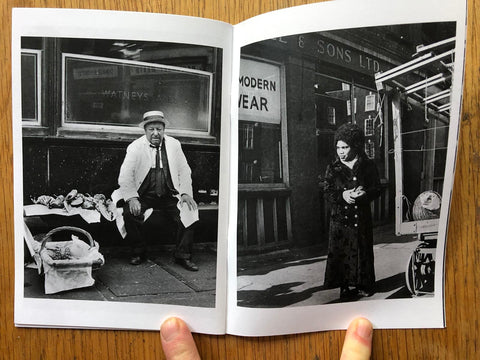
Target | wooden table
(460,340)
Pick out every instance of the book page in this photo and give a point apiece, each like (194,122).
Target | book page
(82,83)
(345,136)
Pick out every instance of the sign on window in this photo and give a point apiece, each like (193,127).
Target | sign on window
(259,98)
(116,93)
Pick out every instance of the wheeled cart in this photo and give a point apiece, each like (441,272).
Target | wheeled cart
(420,271)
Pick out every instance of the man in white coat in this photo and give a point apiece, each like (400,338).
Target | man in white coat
(155,175)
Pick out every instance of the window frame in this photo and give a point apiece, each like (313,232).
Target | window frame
(75,128)
(283,133)
(402,226)
(37,54)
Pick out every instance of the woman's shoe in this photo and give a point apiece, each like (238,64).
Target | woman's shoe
(346,292)
(365,293)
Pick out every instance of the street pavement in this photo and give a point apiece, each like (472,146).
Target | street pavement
(295,277)
(159,280)
(298,282)
(288,277)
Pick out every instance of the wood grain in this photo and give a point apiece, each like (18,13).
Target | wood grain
(460,340)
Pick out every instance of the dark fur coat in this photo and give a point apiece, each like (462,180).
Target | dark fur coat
(350,248)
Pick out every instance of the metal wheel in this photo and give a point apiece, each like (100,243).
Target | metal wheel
(419,274)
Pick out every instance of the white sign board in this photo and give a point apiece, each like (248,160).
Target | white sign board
(259,98)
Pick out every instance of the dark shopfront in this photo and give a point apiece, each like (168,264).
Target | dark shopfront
(81,102)
(325,80)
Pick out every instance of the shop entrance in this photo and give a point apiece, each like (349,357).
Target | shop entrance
(338,102)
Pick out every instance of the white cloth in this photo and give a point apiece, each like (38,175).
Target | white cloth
(75,271)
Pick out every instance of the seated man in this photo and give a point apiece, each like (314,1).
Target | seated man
(155,174)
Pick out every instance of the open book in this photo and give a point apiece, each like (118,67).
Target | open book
(260,109)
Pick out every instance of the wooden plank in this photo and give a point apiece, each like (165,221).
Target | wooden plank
(260,215)
(275,220)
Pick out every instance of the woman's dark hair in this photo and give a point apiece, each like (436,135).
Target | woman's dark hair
(352,135)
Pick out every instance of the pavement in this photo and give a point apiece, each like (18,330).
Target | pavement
(158,280)
(302,279)
(288,277)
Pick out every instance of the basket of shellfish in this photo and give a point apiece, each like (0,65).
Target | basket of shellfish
(68,262)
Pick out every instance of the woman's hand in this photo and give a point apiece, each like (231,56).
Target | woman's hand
(347,196)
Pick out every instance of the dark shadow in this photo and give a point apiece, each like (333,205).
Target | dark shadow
(276,296)
(402,293)
(259,267)
(391,283)
(385,234)
(384,286)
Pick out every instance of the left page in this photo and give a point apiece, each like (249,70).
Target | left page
(120,166)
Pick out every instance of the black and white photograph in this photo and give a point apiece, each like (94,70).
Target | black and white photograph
(121,158)
(251,179)
(342,146)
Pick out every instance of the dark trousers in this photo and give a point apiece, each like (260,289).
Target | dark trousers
(167,207)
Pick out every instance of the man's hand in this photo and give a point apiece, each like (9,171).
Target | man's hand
(178,343)
(187,199)
(134,206)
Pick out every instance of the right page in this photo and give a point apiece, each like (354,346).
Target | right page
(345,142)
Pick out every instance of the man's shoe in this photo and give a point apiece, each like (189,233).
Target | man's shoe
(137,260)
(187,264)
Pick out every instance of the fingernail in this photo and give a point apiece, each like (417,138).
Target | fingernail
(364,329)
(170,329)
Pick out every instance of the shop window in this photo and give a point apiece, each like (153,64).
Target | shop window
(112,94)
(247,136)
(332,102)
(31,86)
(261,144)
(337,94)
(260,156)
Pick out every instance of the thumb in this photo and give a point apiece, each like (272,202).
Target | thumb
(177,340)
(358,340)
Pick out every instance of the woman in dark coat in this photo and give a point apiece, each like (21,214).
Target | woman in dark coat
(351,183)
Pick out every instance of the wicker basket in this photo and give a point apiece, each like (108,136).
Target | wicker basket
(68,264)
(427,206)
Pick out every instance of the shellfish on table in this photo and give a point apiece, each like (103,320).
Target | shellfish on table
(75,199)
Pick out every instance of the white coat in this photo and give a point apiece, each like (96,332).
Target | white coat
(137,164)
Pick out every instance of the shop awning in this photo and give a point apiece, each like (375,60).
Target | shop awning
(427,78)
